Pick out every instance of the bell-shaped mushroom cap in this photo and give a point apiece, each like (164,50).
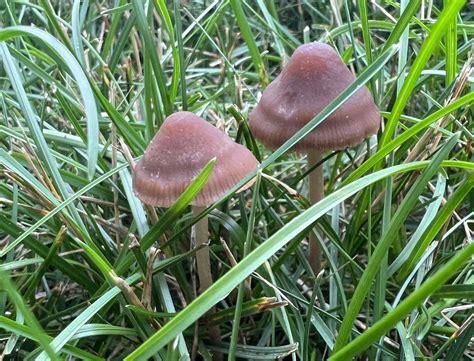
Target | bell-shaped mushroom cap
(184,144)
(314,76)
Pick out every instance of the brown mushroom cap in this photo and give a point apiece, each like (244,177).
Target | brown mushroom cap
(313,77)
(184,144)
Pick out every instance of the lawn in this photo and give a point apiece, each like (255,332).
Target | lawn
(88,271)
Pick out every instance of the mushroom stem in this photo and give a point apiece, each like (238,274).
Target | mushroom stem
(316,193)
(204,271)
(202,256)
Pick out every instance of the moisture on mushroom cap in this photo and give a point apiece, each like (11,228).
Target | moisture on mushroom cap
(314,76)
(184,144)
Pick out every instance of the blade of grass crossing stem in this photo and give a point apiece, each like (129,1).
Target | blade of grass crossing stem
(386,240)
(171,214)
(30,318)
(427,49)
(90,107)
(256,258)
(159,279)
(181,203)
(411,302)
(143,26)
(362,79)
(249,40)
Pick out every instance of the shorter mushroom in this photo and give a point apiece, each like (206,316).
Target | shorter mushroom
(184,144)
(314,76)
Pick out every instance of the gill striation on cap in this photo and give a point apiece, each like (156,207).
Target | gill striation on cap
(313,77)
(184,144)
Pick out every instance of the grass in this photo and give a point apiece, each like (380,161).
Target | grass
(85,85)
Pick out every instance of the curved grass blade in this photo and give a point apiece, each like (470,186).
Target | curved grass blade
(90,108)
(255,259)
(29,333)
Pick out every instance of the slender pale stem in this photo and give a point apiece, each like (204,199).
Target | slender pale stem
(316,193)
(204,271)
(202,256)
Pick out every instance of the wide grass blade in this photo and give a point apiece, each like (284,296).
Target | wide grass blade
(256,258)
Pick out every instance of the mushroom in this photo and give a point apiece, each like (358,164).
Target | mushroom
(313,77)
(184,144)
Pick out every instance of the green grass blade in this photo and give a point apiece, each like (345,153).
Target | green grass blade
(385,242)
(402,23)
(406,135)
(77,73)
(65,335)
(444,215)
(412,301)
(142,24)
(249,40)
(28,332)
(429,46)
(30,318)
(254,260)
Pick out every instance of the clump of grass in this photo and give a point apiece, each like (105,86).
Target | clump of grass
(89,272)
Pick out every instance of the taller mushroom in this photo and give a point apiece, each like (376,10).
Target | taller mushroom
(184,144)
(313,77)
